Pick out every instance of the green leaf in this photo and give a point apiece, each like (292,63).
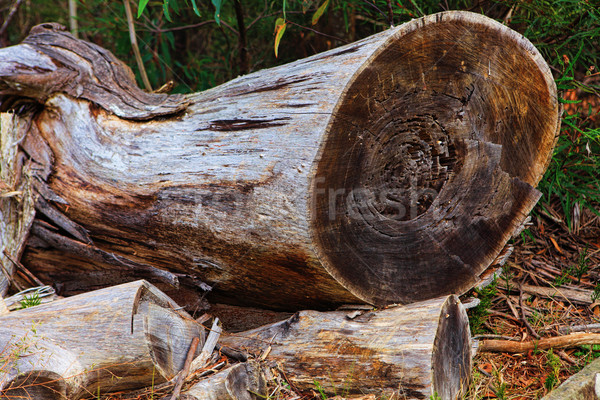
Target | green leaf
(174,5)
(280,25)
(141,6)
(218,4)
(195,7)
(319,12)
(166,10)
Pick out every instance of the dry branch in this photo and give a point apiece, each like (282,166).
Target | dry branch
(510,346)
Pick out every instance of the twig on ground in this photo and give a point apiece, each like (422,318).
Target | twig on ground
(580,328)
(509,346)
(186,368)
(523,317)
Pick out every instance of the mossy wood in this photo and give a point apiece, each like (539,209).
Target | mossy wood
(414,351)
(118,338)
(393,169)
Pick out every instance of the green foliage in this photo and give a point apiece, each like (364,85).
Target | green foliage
(217,4)
(591,352)
(320,389)
(280,26)
(554,365)
(319,12)
(478,315)
(596,293)
(499,386)
(31,301)
(567,32)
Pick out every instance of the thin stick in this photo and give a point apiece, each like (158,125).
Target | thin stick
(209,346)
(186,368)
(11,14)
(134,45)
(242,45)
(579,328)
(73,23)
(523,318)
(10,278)
(390,13)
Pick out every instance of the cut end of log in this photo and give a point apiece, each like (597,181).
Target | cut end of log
(431,158)
(451,359)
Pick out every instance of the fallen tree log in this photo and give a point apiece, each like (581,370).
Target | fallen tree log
(123,337)
(413,351)
(393,169)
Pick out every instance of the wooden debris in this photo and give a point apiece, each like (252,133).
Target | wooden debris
(211,341)
(186,368)
(243,381)
(413,351)
(119,338)
(511,346)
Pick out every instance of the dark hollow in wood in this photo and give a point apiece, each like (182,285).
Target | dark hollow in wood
(119,338)
(393,169)
(413,351)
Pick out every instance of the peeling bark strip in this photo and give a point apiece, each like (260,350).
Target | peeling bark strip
(118,338)
(413,351)
(393,169)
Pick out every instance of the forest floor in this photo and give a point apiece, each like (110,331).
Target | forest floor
(548,257)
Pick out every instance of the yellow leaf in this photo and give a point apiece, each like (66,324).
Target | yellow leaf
(280,25)
(319,12)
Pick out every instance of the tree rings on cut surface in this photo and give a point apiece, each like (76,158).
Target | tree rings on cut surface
(431,158)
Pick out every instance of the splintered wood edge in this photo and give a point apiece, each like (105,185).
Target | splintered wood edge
(451,359)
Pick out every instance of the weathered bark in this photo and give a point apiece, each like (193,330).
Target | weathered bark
(124,337)
(390,170)
(415,350)
(17,209)
(243,381)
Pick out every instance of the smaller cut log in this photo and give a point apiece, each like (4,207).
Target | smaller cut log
(243,381)
(119,338)
(416,351)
